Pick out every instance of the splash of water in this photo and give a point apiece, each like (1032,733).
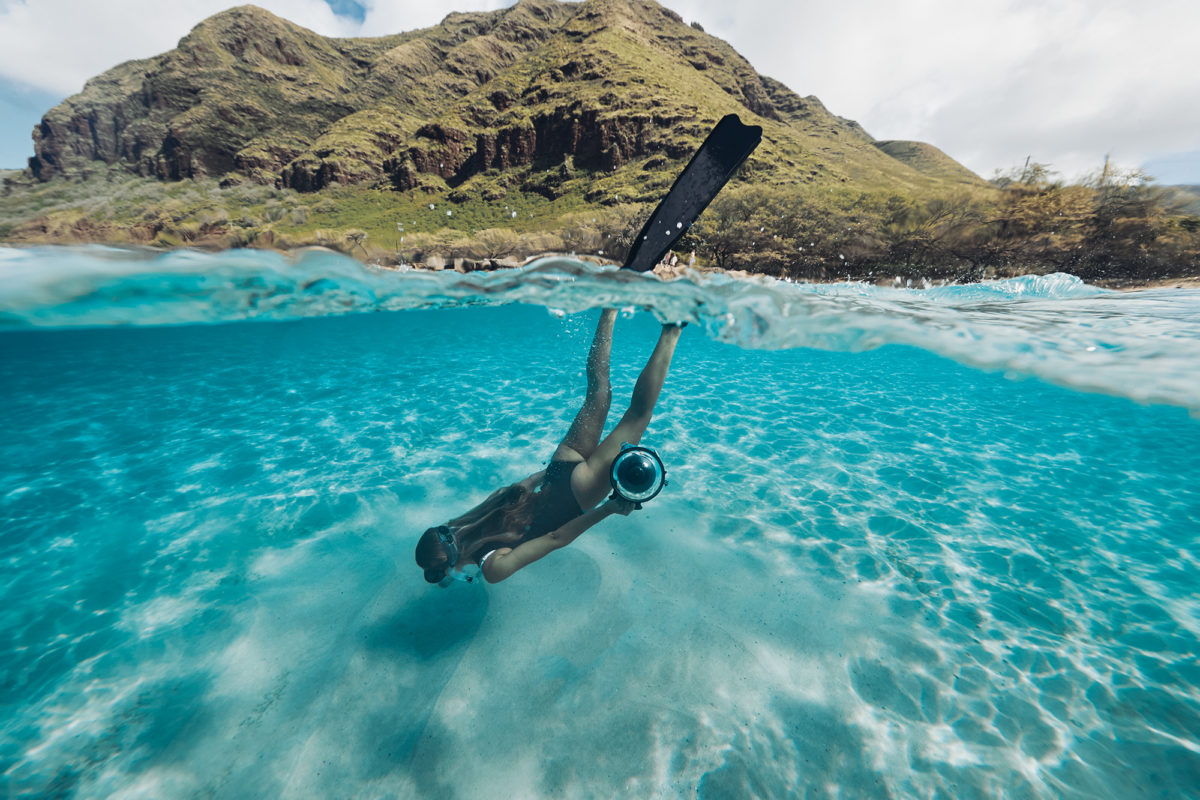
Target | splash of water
(1141,345)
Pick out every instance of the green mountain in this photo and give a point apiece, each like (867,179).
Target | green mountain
(546,126)
(605,99)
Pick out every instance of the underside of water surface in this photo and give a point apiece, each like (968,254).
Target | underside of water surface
(934,543)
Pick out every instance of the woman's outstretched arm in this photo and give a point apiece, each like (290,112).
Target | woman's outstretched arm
(506,562)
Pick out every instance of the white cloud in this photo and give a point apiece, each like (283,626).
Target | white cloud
(56,45)
(988,81)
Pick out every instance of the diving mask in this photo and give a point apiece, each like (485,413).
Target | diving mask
(471,573)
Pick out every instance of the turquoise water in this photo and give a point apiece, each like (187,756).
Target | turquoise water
(916,543)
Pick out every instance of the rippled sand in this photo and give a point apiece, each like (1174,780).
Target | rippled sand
(873,574)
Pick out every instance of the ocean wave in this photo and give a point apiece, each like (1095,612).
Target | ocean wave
(1141,345)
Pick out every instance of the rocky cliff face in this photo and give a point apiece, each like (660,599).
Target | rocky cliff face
(490,97)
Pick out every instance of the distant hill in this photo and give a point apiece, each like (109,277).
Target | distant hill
(605,98)
(928,160)
(1186,198)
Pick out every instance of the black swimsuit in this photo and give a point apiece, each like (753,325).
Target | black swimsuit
(554,505)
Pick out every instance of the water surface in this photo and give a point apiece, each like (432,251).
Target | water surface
(916,542)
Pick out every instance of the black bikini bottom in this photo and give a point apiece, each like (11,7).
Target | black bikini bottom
(556,503)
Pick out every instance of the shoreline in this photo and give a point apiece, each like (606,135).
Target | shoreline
(437,263)
(682,271)
(1190,282)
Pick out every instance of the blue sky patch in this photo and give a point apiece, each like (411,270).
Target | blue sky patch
(1177,168)
(21,107)
(351,9)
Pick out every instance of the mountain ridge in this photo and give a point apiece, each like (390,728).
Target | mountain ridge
(527,98)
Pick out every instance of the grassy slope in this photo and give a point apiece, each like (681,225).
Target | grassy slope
(929,160)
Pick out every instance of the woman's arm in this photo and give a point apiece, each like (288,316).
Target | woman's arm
(505,563)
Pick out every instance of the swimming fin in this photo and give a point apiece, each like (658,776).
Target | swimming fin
(729,144)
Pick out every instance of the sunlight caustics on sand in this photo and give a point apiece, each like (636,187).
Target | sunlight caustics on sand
(915,543)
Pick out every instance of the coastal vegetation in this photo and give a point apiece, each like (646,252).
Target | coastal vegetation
(1114,228)
(375,224)
(545,126)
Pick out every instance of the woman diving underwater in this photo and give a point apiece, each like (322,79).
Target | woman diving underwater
(519,524)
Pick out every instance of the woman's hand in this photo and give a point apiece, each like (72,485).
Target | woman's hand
(619,505)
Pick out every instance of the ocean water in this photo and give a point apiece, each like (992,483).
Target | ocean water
(916,542)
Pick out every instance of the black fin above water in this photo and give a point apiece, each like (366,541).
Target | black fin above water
(729,144)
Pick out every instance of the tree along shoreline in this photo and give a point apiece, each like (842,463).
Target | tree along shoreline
(1115,228)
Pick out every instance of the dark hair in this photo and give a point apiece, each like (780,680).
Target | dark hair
(432,556)
(500,519)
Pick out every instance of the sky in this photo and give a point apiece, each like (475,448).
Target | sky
(990,82)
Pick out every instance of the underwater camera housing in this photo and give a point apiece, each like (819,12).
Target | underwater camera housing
(637,474)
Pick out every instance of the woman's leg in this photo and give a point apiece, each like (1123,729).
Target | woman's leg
(590,479)
(584,433)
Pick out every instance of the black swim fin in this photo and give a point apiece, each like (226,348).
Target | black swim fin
(729,144)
